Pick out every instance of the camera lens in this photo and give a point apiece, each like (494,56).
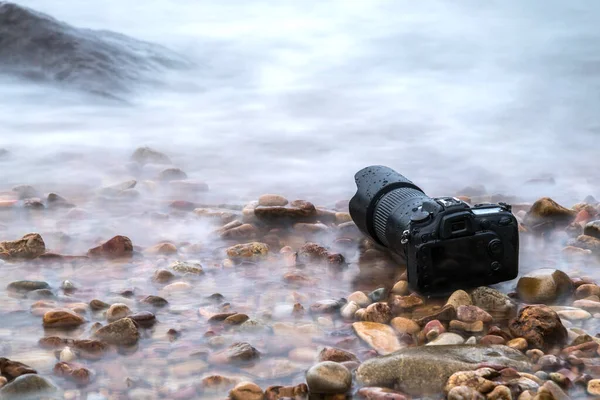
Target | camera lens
(385,203)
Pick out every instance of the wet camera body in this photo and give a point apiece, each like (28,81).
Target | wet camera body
(448,244)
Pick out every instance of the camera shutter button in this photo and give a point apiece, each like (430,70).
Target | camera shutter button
(495,247)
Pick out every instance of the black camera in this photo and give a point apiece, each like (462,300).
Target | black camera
(448,244)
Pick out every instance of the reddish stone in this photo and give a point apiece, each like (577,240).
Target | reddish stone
(117,247)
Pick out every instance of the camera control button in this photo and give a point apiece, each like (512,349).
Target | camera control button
(504,221)
(485,224)
(496,266)
(495,247)
(420,216)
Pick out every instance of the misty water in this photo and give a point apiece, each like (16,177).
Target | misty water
(291,98)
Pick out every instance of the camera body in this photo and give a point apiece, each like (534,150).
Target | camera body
(448,244)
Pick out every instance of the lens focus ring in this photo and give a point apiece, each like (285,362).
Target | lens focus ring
(389,203)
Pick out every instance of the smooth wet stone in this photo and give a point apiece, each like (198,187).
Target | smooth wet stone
(312,252)
(473,379)
(378,295)
(464,393)
(298,392)
(171,174)
(426,369)
(593,387)
(147,155)
(335,355)
(177,287)
(117,311)
(244,231)
(472,314)
(326,306)
(163,276)
(13,369)
(328,377)
(117,247)
(90,349)
(246,391)
(236,319)
(349,309)
(586,290)
(492,339)
(27,286)
(272,200)
(588,305)
(40,294)
(573,313)
(144,319)
(162,249)
(62,319)
(251,250)
(547,211)
(155,301)
(447,338)
(540,326)
(446,313)
(297,210)
(380,337)
(237,353)
(401,304)
(377,393)
(468,327)
(27,387)
(405,326)
(518,344)
(67,355)
(587,243)
(97,305)
(400,288)
(187,267)
(433,329)
(121,332)
(28,247)
(544,286)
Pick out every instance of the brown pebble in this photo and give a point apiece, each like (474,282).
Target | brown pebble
(492,339)
(163,276)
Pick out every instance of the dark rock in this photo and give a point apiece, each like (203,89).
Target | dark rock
(23,191)
(117,247)
(298,392)
(143,319)
(40,294)
(237,353)
(592,229)
(27,286)
(155,301)
(426,369)
(296,211)
(28,386)
(97,305)
(55,201)
(13,369)
(90,349)
(540,326)
(378,295)
(163,276)
(336,355)
(326,306)
(171,174)
(62,319)
(37,47)
(29,247)
(311,252)
(122,332)
(446,313)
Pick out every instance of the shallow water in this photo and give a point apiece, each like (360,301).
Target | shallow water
(290,98)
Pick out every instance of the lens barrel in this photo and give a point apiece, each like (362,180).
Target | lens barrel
(383,204)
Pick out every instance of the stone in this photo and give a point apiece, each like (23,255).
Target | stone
(552,389)
(335,355)
(90,349)
(546,211)
(473,314)
(177,287)
(378,295)
(246,391)
(500,392)
(492,339)
(28,247)
(298,392)
(67,355)
(491,300)
(518,344)
(588,305)
(405,326)
(122,332)
(380,337)
(377,393)
(312,252)
(459,298)
(359,298)
(402,303)
(573,313)
(236,319)
(474,379)
(118,188)
(27,386)
(342,217)
(237,353)
(187,267)
(162,249)
(253,250)
(447,338)
(470,327)
(544,286)
(297,210)
(446,313)
(117,247)
(117,311)
(171,174)
(13,369)
(592,229)
(349,309)
(244,231)
(425,370)
(147,155)
(378,312)
(587,243)
(273,200)
(328,377)
(25,191)
(97,305)
(464,393)
(62,319)
(328,306)
(144,319)
(433,329)
(155,301)
(540,326)
(27,286)
(593,387)
(163,276)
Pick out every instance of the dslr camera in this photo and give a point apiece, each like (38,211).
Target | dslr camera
(448,244)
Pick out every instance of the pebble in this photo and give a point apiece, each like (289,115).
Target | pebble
(518,344)
(540,326)
(248,250)
(187,267)
(472,314)
(62,319)
(405,326)
(464,393)
(272,200)
(335,355)
(447,338)
(380,337)
(491,300)
(162,249)
(459,298)
(328,378)
(378,312)
(117,247)
(177,287)
(117,311)
(349,309)
(359,298)
(377,393)
(237,353)
(67,355)
(472,327)
(155,301)
(433,329)
(27,386)
(544,286)
(586,290)
(492,339)
(401,288)
(246,391)
(97,305)
(27,286)
(593,387)
(378,295)
(121,332)
(573,314)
